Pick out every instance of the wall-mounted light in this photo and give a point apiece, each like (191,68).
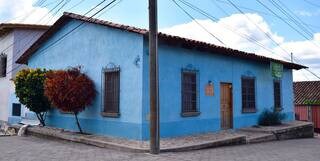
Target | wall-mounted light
(137,61)
(209,90)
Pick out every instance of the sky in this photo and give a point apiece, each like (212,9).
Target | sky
(273,28)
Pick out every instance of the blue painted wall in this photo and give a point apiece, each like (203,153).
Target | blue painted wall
(218,69)
(95,46)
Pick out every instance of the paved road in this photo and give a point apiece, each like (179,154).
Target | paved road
(36,149)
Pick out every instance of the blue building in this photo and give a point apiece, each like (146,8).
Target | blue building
(203,87)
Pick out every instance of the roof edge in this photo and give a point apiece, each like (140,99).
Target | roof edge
(162,36)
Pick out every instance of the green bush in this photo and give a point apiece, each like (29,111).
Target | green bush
(30,91)
(271,117)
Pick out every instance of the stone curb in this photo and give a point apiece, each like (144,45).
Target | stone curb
(233,140)
(294,131)
(280,129)
(262,138)
(56,134)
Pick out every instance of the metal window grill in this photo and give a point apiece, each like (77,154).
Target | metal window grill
(189,91)
(16,109)
(111,90)
(277,94)
(248,94)
(3,65)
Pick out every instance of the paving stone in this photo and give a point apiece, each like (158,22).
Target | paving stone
(38,149)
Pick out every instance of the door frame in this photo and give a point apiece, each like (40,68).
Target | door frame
(231,104)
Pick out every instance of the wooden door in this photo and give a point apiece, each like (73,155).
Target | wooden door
(226,105)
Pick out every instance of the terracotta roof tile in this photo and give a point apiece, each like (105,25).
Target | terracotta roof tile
(307,92)
(6,27)
(169,39)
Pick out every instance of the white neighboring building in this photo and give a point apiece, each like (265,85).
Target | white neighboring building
(14,40)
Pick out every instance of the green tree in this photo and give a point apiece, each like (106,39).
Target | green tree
(30,91)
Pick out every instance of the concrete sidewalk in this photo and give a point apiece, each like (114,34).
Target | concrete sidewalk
(292,130)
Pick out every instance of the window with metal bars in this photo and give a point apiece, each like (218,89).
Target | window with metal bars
(189,93)
(3,65)
(111,92)
(248,94)
(16,109)
(277,95)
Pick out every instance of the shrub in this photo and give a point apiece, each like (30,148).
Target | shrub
(70,91)
(271,117)
(30,91)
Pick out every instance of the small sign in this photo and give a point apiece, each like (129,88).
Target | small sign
(276,70)
(209,89)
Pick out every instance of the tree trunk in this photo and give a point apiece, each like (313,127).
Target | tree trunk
(41,119)
(77,120)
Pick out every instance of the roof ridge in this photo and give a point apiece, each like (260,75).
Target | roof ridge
(173,39)
(76,16)
(306,82)
(23,24)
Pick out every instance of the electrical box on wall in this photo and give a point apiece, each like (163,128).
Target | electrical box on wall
(209,89)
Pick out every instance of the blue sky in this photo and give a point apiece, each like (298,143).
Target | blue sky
(135,12)
(257,23)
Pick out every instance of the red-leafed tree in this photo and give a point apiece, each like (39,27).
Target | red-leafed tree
(70,91)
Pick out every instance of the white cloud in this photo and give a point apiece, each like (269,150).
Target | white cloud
(304,13)
(308,13)
(307,53)
(229,28)
(23,11)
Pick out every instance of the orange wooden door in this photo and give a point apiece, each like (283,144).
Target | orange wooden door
(226,105)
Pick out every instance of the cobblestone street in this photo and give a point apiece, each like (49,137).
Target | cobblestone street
(36,149)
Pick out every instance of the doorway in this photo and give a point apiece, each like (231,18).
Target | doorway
(226,106)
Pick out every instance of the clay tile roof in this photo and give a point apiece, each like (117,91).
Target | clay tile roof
(7,27)
(306,93)
(169,39)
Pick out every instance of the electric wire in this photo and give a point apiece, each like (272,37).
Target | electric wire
(70,31)
(199,24)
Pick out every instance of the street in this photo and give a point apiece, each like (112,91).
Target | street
(38,149)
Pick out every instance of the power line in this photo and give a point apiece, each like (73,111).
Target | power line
(312,4)
(264,13)
(28,34)
(115,4)
(297,17)
(17,55)
(29,13)
(57,11)
(297,23)
(301,34)
(77,4)
(51,10)
(72,30)
(214,19)
(295,30)
(198,22)
(24,36)
(258,27)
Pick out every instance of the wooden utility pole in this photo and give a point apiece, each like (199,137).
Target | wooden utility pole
(153,78)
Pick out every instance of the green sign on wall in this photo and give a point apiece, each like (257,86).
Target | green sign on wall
(276,69)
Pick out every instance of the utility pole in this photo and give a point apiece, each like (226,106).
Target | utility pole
(291,55)
(153,78)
